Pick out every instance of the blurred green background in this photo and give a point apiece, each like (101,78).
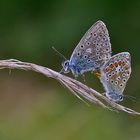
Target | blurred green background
(33,107)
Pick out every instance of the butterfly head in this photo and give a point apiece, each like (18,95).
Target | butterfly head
(115,97)
(65,66)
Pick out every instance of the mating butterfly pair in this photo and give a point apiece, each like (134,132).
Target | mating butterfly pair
(93,53)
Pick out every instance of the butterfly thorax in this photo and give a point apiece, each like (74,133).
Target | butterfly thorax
(69,66)
(75,69)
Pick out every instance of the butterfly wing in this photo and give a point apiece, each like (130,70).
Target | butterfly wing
(93,50)
(115,73)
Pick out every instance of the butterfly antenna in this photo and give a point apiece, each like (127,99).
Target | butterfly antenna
(59,53)
(62,70)
(132,98)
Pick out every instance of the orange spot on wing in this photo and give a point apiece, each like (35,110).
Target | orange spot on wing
(111,66)
(107,70)
(123,63)
(126,67)
(116,64)
(120,62)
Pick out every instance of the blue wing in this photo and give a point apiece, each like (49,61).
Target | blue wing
(115,73)
(93,50)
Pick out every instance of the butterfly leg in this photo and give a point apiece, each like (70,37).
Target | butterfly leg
(62,70)
(104,94)
(75,77)
(10,71)
(92,72)
(83,77)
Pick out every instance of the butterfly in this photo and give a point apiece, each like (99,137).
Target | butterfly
(93,50)
(114,75)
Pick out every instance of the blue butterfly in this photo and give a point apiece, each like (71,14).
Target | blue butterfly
(114,75)
(93,50)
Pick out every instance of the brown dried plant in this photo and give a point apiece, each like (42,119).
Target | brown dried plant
(79,89)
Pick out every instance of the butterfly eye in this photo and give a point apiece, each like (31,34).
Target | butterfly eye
(66,63)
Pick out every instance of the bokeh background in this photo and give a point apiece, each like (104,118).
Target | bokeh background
(33,107)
